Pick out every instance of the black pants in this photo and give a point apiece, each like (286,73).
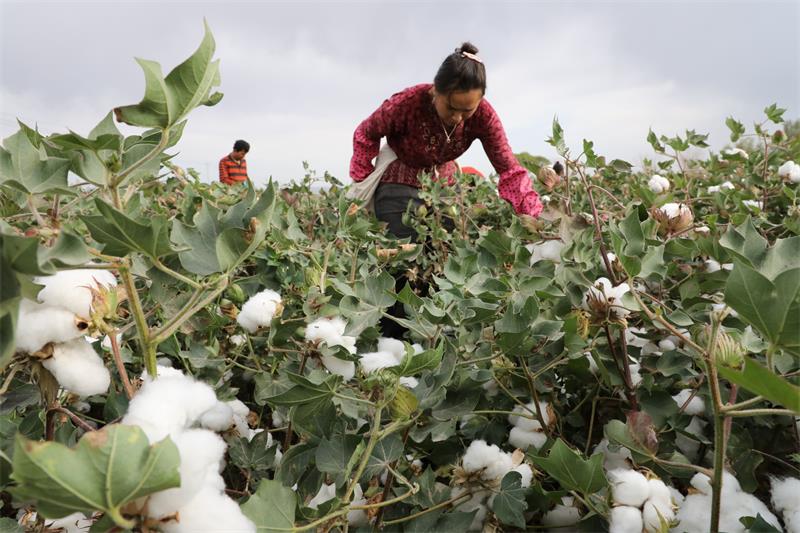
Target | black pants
(390,203)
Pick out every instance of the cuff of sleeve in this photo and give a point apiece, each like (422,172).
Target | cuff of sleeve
(530,205)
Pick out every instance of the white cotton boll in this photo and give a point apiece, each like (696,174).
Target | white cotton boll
(491,388)
(171,403)
(278,419)
(395,347)
(238,339)
(704,230)
(346,369)
(209,511)
(73,523)
(549,250)
(790,170)
(39,324)
(676,495)
(201,452)
(519,438)
(259,310)
(636,376)
(497,469)
(659,491)
(72,289)
(479,455)
(358,517)
(712,266)
(562,515)
(675,210)
(218,418)
(409,382)
(106,343)
(666,345)
(628,487)
(625,519)
(752,204)
(475,503)
(618,458)
(326,492)
(603,294)
(239,408)
(713,188)
(696,407)
(658,184)
(727,186)
(77,368)
(326,330)
(529,424)
(736,151)
(526,472)
(240,426)
(634,337)
(653,512)
(686,445)
(374,361)
(593,368)
(785,494)
(745,504)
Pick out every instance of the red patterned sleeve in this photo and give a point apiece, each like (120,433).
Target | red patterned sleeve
(385,121)
(515,184)
(223,172)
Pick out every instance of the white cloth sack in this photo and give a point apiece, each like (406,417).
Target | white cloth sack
(364,190)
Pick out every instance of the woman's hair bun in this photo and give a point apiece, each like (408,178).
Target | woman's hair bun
(467,47)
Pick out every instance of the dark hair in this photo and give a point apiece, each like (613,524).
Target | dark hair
(240,145)
(460,73)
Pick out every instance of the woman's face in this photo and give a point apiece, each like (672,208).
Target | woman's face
(456,106)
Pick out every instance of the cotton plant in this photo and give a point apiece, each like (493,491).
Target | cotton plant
(673,217)
(330,332)
(259,310)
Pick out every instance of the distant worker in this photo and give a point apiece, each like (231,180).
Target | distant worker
(233,167)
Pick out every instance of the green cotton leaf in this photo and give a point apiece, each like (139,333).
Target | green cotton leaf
(771,306)
(122,235)
(557,138)
(745,242)
(760,380)
(272,507)
(68,250)
(570,469)
(106,470)
(736,127)
(618,432)
(305,391)
(372,297)
(774,113)
(28,169)
(252,454)
(8,525)
(198,241)
(620,165)
(509,503)
(333,455)
(520,314)
(653,140)
(757,524)
(168,100)
(417,363)
(385,452)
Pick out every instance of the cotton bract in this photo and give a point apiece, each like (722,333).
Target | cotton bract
(259,310)
(604,299)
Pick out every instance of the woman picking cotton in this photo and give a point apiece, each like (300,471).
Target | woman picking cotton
(427,127)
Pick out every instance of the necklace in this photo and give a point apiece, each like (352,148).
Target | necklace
(448,136)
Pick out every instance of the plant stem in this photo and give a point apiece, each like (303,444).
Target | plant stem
(177,275)
(436,507)
(534,395)
(374,436)
(186,313)
(761,412)
(740,405)
(35,212)
(119,178)
(123,374)
(72,416)
(719,432)
(143,332)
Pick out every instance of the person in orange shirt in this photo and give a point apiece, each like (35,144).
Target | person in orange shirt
(233,167)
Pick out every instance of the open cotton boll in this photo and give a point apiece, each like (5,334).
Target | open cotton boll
(659,491)
(475,503)
(628,487)
(636,376)
(736,151)
(658,184)
(479,455)
(218,418)
(526,423)
(395,347)
(526,472)
(239,408)
(409,382)
(259,310)
(358,517)
(614,458)
(696,406)
(790,170)
(171,403)
(72,289)
(39,324)
(785,494)
(201,452)
(625,519)
(346,369)
(563,514)
(653,512)
(77,368)
(326,492)
(106,342)
(73,523)
(719,308)
(374,361)
(689,446)
(327,330)
(753,204)
(209,511)
(606,299)
(666,345)
(238,339)
(519,438)
(497,469)
(549,250)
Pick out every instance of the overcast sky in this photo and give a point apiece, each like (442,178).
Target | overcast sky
(299,76)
